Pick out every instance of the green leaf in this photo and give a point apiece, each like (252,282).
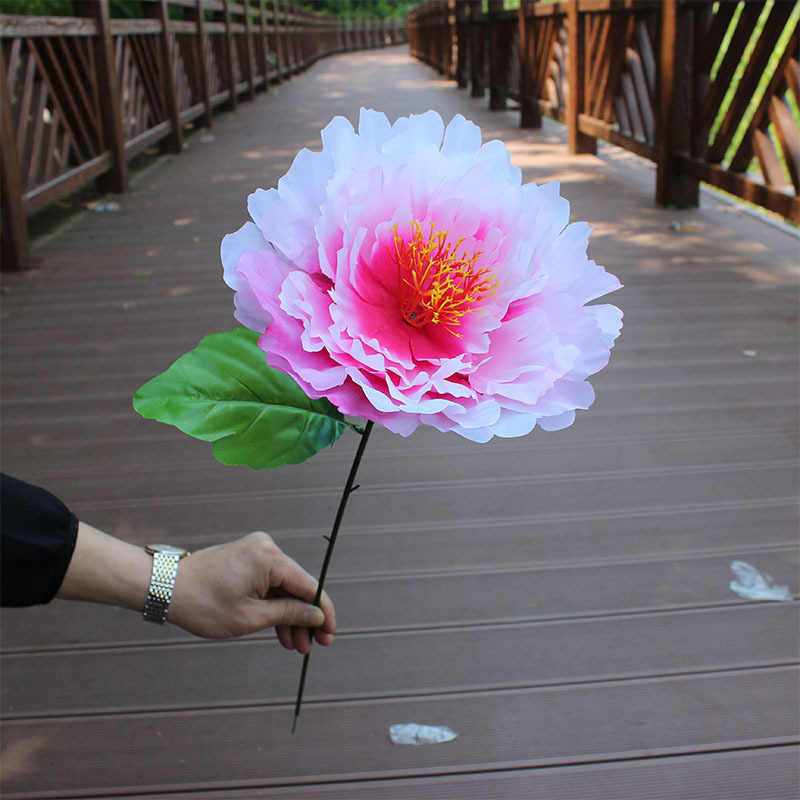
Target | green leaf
(224,392)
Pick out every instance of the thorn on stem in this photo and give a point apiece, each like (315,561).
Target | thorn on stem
(353,488)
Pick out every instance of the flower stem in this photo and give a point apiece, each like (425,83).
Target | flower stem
(349,488)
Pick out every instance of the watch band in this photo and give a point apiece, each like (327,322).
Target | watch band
(162,582)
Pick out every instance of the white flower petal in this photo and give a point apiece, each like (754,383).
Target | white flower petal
(260,204)
(424,130)
(347,150)
(461,137)
(247,239)
(496,160)
(374,127)
(558,422)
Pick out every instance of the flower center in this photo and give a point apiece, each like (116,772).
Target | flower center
(437,283)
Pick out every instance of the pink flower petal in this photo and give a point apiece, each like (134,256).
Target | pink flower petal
(324,274)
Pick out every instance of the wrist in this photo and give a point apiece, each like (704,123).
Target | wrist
(106,570)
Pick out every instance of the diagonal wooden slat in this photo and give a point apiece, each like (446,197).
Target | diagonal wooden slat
(768,160)
(602,65)
(598,63)
(733,55)
(792,75)
(22,107)
(48,169)
(142,70)
(626,102)
(73,75)
(760,119)
(62,94)
(712,40)
(645,50)
(644,103)
(71,144)
(13,61)
(788,135)
(179,75)
(773,28)
(34,155)
(617,55)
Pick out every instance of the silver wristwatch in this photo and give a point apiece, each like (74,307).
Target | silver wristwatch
(162,581)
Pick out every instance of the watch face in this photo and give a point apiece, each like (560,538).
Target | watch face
(165,548)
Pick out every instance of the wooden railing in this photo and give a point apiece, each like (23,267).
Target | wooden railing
(708,91)
(80,96)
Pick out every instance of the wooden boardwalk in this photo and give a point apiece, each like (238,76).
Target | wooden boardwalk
(560,601)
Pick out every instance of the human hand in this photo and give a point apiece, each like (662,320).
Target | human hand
(245,586)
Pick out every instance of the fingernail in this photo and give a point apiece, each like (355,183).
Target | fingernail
(313,617)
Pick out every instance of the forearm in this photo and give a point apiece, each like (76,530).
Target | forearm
(228,590)
(106,570)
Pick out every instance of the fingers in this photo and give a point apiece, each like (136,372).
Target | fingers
(290,612)
(295,581)
(294,621)
(286,595)
(284,633)
(323,637)
(294,638)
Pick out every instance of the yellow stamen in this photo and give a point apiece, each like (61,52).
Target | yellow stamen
(437,284)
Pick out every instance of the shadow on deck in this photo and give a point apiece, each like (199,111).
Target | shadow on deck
(561,601)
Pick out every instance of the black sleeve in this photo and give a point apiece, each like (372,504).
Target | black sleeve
(37,538)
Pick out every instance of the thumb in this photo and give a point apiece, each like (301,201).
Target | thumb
(289,611)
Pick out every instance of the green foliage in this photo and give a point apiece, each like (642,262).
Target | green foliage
(127,9)
(360,9)
(224,392)
(132,9)
(44,8)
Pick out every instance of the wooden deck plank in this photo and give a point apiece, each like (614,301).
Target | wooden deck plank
(772,772)
(439,598)
(237,749)
(390,465)
(412,505)
(404,664)
(729,395)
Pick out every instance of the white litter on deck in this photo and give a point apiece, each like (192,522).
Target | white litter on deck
(752,585)
(413,733)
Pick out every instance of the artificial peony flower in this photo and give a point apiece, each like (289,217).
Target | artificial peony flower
(406,274)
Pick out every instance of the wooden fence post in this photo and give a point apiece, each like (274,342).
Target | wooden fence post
(202,62)
(229,55)
(174,142)
(116,179)
(674,113)
(448,38)
(276,45)
(577,142)
(462,44)
(530,116)
(284,32)
(248,52)
(477,39)
(15,246)
(262,38)
(497,100)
